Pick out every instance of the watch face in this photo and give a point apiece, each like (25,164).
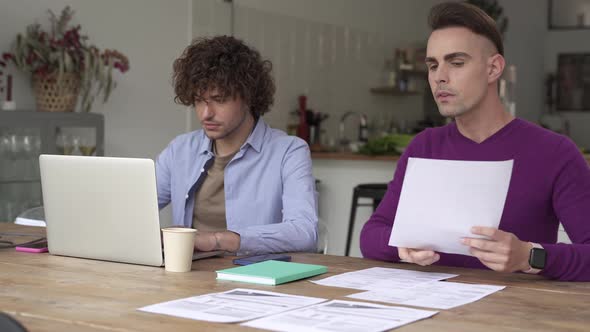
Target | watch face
(538,258)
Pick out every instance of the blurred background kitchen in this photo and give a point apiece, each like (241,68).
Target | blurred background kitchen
(349,74)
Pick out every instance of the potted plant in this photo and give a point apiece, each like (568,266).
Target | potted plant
(495,10)
(63,64)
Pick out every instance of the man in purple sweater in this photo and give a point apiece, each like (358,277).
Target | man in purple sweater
(550,180)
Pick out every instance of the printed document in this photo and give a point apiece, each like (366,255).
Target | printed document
(341,316)
(378,278)
(439,295)
(442,199)
(232,306)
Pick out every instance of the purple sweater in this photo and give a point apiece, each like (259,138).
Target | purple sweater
(550,183)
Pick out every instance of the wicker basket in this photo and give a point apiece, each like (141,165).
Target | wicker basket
(54,97)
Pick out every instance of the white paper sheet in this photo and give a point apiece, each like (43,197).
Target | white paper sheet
(30,222)
(378,278)
(236,305)
(439,295)
(442,199)
(341,316)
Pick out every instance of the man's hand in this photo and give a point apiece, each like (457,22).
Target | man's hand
(418,256)
(209,241)
(502,251)
(205,241)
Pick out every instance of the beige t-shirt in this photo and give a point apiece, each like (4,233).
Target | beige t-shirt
(209,212)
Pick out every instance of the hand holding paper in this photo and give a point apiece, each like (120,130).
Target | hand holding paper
(441,200)
(418,256)
(503,251)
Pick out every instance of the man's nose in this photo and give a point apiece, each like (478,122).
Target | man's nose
(207,112)
(441,75)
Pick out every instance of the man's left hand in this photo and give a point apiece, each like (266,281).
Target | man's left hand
(501,251)
(225,240)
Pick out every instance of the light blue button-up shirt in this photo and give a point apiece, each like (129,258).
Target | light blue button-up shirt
(270,196)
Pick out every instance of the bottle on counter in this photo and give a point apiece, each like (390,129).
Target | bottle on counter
(390,74)
(303,127)
(8,104)
(363,129)
(293,122)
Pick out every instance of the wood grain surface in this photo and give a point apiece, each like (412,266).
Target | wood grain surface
(54,293)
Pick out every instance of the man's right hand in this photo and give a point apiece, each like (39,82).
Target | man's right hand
(418,256)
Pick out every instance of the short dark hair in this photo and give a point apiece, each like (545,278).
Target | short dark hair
(461,14)
(228,65)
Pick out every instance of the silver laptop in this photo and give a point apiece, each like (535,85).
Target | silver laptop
(103,208)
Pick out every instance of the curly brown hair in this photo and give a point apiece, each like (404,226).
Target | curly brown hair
(228,65)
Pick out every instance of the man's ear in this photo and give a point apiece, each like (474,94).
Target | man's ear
(496,64)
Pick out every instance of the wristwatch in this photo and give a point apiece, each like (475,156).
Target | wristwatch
(537,259)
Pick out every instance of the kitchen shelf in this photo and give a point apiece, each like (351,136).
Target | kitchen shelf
(20,181)
(24,135)
(392,91)
(415,72)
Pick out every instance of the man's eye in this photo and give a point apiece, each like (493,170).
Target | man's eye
(432,67)
(457,64)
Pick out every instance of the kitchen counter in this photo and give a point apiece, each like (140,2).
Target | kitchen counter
(339,173)
(358,156)
(351,156)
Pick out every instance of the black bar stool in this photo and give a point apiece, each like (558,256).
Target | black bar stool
(376,191)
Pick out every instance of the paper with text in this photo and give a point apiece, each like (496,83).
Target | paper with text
(376,278)
(236,305)
(442,199)
(439,295)
(342,316)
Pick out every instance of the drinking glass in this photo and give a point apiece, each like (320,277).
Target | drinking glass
(5,158)
(64,143)
(87,144)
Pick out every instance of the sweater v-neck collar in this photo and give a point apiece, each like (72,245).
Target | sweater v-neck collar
(501,132)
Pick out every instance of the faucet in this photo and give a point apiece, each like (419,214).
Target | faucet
(362,134)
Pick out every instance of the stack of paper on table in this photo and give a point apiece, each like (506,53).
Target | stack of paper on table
(339,315)
(407,287)
(377,278)
(439,295)
(300,312)
(236,305)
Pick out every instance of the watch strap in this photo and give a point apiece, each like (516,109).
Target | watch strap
(532,270)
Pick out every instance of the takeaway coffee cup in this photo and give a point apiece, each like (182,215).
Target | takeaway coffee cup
(179,245)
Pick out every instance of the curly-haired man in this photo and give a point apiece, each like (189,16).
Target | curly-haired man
(246,187)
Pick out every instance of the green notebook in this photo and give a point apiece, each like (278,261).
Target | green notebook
(271,272)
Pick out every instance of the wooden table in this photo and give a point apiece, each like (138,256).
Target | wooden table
(53,293)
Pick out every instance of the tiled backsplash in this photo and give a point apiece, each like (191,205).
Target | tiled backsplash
(334,65)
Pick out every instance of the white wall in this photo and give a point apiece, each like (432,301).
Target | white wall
(140,117)
(209,18)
